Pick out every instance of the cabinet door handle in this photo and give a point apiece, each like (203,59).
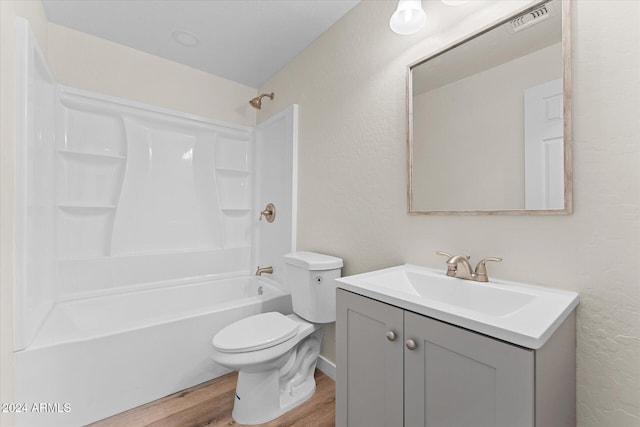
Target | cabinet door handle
(391,335)
(411,344)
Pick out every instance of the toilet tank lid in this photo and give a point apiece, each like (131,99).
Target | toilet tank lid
(312,260)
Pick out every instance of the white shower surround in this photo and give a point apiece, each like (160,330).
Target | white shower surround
(152,196)
(137,231)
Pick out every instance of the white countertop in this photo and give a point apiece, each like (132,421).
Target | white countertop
(522,314)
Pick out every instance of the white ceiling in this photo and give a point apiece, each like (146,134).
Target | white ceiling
(247,41)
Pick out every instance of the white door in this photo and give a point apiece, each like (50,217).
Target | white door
(544,146)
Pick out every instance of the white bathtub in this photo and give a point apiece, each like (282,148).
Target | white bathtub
(100,356)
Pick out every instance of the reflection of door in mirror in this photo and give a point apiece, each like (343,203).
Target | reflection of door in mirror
(468,134)
(489,119)
(544,147)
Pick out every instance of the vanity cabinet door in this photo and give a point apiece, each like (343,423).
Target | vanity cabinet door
(455,377)
(369,344)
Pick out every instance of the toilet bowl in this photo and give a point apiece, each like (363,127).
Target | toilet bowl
(274,378)
(275,354)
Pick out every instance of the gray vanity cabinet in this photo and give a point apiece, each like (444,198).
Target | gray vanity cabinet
(455,377)
(370,390)
(430,373)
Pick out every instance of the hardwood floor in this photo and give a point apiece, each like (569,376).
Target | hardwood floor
(210,404)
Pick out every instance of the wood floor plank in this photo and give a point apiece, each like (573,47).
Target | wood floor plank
(149,413)
(210,404)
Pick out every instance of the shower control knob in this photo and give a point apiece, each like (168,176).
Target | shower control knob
(391,335)
(269,213)
(411,344)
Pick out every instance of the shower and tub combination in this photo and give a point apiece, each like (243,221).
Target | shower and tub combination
(138,238)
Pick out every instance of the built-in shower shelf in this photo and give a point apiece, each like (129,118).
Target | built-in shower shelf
(236,211)
(81,259)
(79,207)
(233,172)
(81,154)
(238,246)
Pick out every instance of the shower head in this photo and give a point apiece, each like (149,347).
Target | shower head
(257,101)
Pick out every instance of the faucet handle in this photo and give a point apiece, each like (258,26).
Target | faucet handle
(468,257)
(481,268)
(451,268)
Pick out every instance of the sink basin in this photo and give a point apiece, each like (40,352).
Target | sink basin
(526,315)
(485,298)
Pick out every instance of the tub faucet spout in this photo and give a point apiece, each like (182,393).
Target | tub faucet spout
(262,270)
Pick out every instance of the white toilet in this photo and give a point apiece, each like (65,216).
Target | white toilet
(276,354)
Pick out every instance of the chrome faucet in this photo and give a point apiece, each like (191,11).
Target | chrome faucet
(262,270)
(459,266)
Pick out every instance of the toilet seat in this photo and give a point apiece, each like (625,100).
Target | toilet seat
(255,333)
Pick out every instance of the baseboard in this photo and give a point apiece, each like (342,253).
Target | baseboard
(326,366)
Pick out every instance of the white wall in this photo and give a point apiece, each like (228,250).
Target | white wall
(87,62)
(350,85)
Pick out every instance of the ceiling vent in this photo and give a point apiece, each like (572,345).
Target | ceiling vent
(530,18)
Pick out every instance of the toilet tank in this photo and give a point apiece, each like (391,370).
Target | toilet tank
(310,277)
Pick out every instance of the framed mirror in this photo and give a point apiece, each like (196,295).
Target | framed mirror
(489,120)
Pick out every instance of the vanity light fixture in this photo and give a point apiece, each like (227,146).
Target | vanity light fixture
(408,18)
